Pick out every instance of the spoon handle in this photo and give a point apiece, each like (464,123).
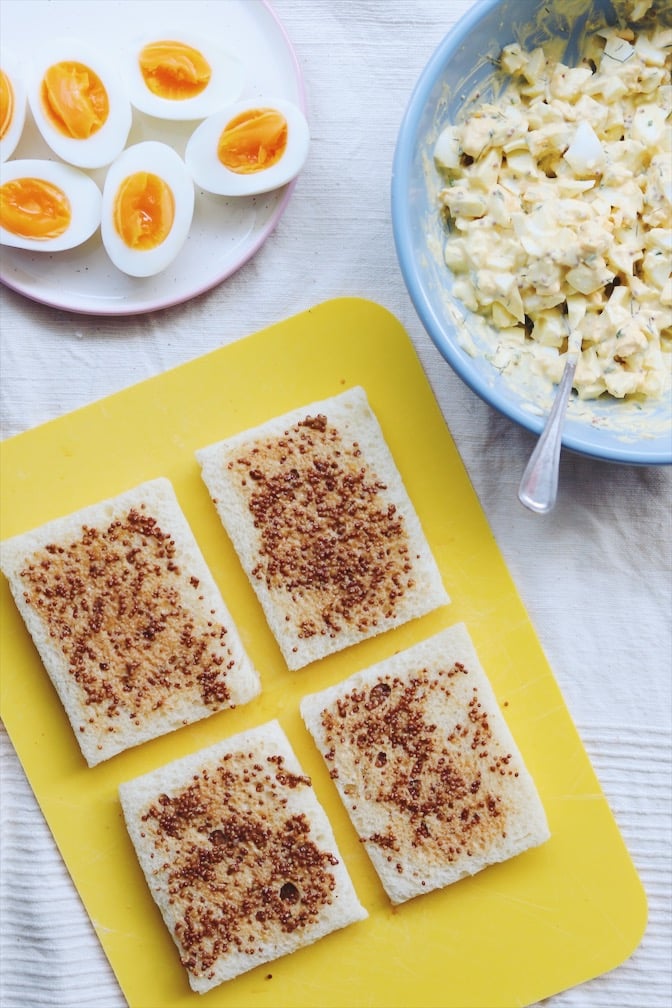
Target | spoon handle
(539,486)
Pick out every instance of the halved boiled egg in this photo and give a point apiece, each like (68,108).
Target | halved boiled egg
(46,206)
(79,104)
(173,74)
(12,106)
(249,148)
(148,204)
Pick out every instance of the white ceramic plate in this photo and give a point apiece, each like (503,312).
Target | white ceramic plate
(225,233)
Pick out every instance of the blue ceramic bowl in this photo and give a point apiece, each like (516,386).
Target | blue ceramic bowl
(617,431)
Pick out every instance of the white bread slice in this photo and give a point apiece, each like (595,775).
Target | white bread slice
(426,766)
(127,620)
(238,855)
(325,530)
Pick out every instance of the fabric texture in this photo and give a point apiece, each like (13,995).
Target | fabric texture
(595,575)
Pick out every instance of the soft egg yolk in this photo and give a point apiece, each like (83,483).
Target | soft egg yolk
(174,70)
(6,103)
(34,208)
(144,211)
(74,100)
(253,141)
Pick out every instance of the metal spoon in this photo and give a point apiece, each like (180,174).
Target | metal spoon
(539,486)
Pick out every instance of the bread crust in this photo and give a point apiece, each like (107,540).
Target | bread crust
(426,766)
(128,620)
(238,855)
(317,511)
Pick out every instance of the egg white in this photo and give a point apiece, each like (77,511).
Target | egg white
(211,175)
(159,159)
(225,85)
(102,147)
(9,142)
(82,192)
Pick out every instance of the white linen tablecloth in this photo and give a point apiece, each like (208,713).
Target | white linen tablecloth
(595,575)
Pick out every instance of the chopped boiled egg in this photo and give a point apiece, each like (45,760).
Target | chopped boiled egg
(555,197)
(585,154)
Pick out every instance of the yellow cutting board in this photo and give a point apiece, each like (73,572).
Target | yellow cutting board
(511,935)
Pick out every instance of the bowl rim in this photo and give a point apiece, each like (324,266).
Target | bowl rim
(572,439)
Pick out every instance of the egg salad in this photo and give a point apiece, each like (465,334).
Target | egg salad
(557,199)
